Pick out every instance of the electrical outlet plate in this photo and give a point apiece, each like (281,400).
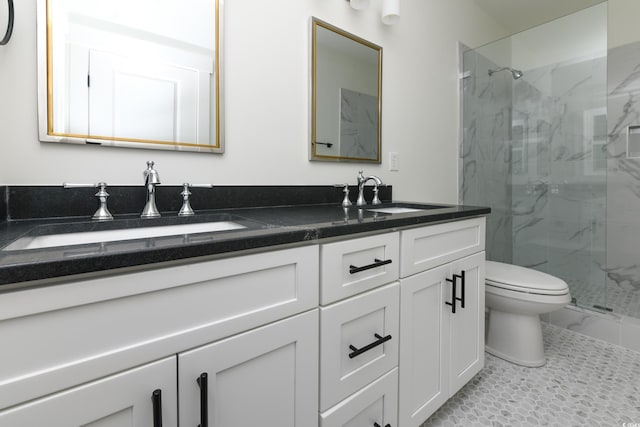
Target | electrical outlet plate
(393,161)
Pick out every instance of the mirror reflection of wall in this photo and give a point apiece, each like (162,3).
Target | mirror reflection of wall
(346,96)
(133,73)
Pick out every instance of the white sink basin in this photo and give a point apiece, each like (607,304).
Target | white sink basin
(395,210)
(68,239)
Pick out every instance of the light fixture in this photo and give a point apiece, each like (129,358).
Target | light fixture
(359,4)
(390,11)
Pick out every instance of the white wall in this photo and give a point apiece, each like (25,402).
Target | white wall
(267,102)
(623,22)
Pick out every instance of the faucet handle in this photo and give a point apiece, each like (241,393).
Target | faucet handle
(186,209)
(376,190)
(102,214)
(345,202)
(376,199)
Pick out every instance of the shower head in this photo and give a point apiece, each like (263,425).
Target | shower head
(515,73)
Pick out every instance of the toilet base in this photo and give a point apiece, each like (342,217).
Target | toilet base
(516,338)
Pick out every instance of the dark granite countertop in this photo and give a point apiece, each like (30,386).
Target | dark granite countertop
(265,227)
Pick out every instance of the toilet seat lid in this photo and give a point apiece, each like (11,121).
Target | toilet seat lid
(523,279)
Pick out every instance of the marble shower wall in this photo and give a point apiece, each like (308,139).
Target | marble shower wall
(559,173)
(486,149)
(623,182)
(533,150)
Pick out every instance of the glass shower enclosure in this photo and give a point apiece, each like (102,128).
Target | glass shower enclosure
(535,149)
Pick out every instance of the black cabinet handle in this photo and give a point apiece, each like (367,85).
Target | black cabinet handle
(204,401)
(378,263)
(453,294)
(378,425)
(359,351)
(156,398)
(462,295)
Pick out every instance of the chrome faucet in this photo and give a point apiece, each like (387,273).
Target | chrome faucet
(151,179)
(361,181)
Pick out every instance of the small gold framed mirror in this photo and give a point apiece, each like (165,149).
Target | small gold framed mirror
(346,99)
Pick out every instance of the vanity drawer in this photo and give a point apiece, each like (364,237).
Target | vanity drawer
(353,266)
(358,342)
(58,336)
(427,247)
(377,402)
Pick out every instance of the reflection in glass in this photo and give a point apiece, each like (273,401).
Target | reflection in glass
(134,71)
(534,149)
(346,96)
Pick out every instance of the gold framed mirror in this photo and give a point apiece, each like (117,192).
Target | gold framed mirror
(346,99)
(131,73)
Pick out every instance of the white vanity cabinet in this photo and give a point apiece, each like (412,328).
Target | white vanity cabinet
(265,377)
(359,331)
(352,332)
(144,396)
(442,314)
(87,350)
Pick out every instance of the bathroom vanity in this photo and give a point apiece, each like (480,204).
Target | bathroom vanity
(321,317)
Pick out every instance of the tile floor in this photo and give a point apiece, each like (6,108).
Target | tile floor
(586,382)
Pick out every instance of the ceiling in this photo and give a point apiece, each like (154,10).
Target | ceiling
(518,15)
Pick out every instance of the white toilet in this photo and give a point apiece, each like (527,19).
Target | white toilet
(515,297)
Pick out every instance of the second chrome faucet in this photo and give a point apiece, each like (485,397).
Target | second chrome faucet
(361,181)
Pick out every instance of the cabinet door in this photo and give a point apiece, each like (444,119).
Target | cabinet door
(423,345)
(122,400)
(466,332)
(267,376)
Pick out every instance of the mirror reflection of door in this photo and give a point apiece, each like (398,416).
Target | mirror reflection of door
(133,70)
(142,100)
(346,100)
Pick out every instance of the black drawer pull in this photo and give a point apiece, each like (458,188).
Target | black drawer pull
(378,425)
(378,263)
(204,401)
(156,398)
(359,351)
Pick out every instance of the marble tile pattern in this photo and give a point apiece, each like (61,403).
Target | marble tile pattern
(586,382)
(485,153)
(358,125)
(558,188)
(623,182)
(533,151)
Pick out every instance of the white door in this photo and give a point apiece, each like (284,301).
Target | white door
(139,100)
(265,377)
(467,324)
(423,345)
(123,400)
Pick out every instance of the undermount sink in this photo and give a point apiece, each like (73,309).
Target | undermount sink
(87,237)
(399,208)
(395,210)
